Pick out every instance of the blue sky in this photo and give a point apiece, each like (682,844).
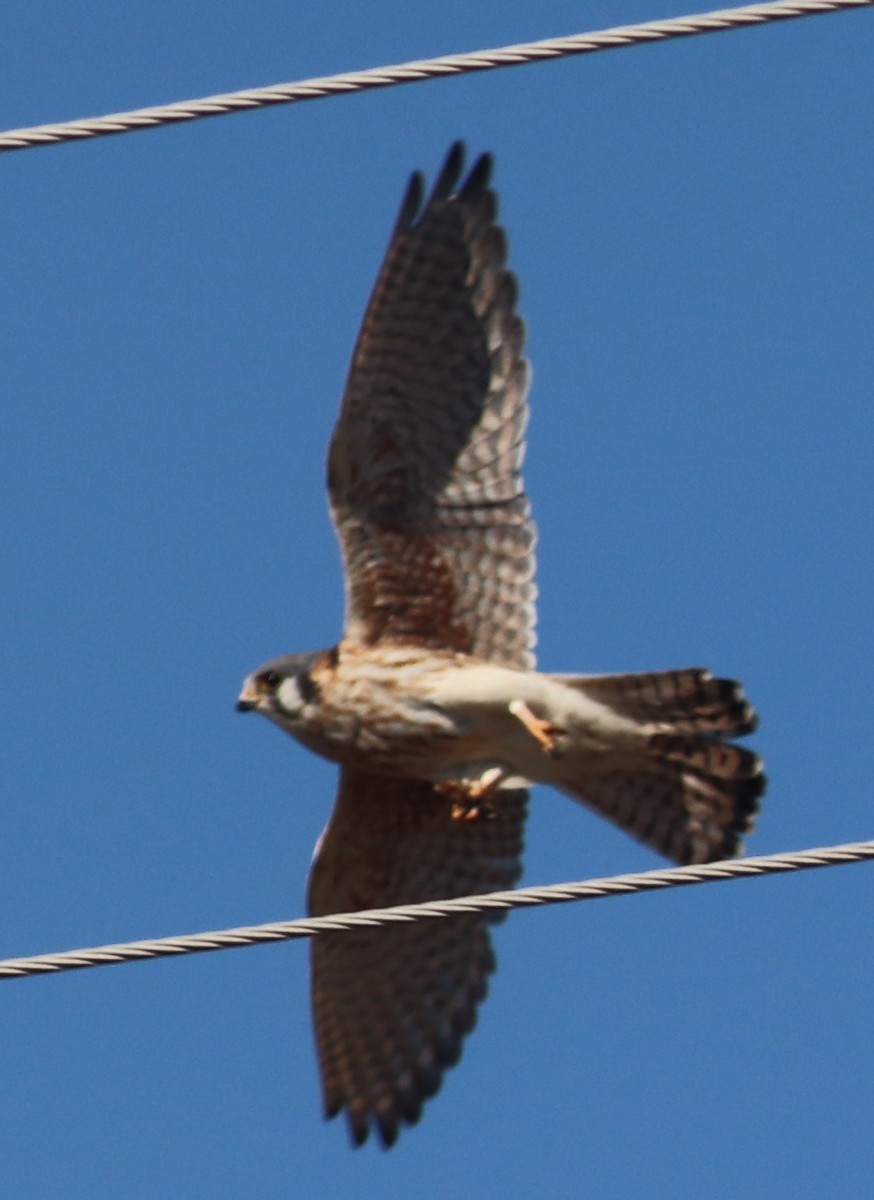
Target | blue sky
(691,227)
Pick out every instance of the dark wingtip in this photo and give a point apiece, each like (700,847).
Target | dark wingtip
(404,1110)
(359,1129)
(387,1128)
(358,1125)
(450,173)
(413,205)
(479,177)
(411,202)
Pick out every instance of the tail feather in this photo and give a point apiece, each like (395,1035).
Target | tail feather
(685,816)
(692,795)
(689,700)
(706,755)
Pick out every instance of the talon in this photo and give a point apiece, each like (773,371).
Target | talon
(472,801)
(473,810)
(543,732)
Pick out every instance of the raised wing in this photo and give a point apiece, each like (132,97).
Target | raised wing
(392,1005)
(424,465)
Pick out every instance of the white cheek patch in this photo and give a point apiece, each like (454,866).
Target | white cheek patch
(289,699)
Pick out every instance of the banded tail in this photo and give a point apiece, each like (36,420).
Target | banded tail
(695,793)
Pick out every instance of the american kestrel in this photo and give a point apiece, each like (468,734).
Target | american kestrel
(430,703)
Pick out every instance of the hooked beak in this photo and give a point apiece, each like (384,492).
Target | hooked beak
(248,699)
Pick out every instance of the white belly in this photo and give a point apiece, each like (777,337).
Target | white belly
(478,699)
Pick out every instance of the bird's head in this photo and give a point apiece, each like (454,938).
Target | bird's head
(284,688)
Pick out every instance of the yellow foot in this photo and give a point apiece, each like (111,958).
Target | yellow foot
(472,800)
(543,732)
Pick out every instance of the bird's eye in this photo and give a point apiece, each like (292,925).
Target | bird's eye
(269,681)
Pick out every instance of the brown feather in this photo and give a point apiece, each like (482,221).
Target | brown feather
(424,465)
(392,1005)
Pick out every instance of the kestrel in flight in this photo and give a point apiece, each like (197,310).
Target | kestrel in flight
(430,703)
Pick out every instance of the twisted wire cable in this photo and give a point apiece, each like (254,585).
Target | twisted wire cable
(715,21)
(558,893)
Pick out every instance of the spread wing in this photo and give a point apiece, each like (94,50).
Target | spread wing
(437,540)
(391,1005)
(424,465)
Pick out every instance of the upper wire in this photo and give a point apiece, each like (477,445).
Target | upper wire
(716,21)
